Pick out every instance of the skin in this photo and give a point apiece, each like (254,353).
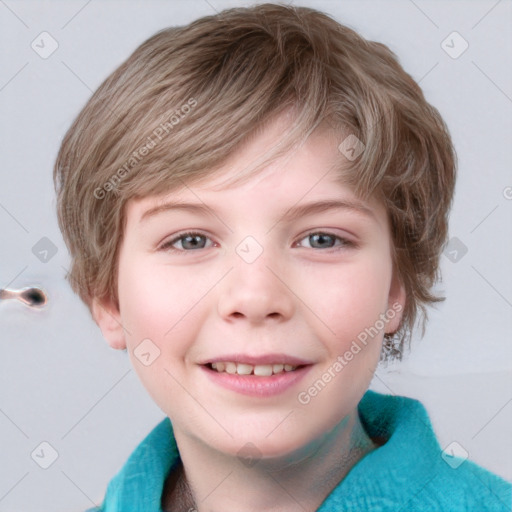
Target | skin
(300,297)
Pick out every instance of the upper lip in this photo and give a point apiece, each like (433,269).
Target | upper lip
(258,360)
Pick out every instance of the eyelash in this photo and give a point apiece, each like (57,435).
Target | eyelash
(345,243)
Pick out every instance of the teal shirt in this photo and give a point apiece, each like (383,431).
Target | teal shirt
(408,473)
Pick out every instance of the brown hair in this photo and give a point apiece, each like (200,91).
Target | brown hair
(189,96)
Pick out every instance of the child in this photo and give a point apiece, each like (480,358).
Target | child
(255,205)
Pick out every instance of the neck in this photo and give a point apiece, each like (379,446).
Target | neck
(299,481)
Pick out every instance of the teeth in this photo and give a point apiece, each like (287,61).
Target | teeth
(277,368)
(260,370)
(263,370)
(230,368)
(244,369)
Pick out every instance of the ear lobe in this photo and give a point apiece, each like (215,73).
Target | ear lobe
(396,303)
(108,318)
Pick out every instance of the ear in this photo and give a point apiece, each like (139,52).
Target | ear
(108,318)
(396,303)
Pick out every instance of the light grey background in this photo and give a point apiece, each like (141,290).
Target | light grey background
(61,383)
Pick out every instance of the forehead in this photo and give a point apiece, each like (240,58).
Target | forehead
(306,173)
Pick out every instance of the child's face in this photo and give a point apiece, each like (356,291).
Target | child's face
(214,298)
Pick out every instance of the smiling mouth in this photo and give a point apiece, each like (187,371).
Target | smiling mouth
(260,370)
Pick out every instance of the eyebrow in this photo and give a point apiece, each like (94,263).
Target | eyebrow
(170,206)
(298,211)
(291,214)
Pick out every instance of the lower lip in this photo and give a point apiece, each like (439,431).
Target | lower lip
(253,385)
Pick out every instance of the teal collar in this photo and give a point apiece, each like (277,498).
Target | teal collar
(406,472)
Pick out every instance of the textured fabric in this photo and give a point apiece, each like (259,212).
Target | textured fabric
(407,473)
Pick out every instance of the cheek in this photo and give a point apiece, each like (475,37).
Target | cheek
(156,299)
(351,297)
(157,304)
(142,303)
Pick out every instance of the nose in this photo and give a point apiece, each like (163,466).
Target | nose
(256,292)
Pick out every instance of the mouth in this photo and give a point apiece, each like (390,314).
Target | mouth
(261,376)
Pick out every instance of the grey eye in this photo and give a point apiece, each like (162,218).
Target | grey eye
(321,240)
(192,242)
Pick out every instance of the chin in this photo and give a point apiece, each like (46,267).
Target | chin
(254,444)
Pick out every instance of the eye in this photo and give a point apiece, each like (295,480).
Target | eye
(321,240)
(186,242)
